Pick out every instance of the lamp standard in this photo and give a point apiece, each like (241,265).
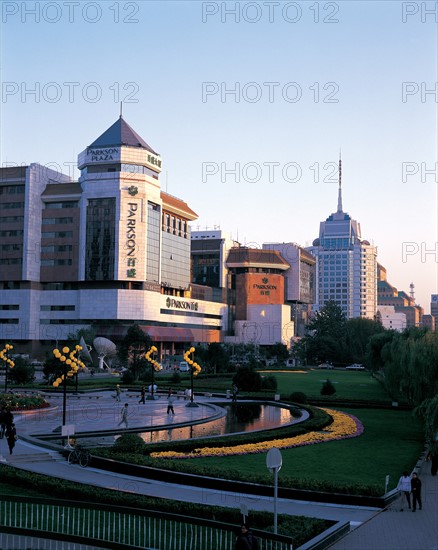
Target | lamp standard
(6,362)
(195,369)
(155,366)
(70,366)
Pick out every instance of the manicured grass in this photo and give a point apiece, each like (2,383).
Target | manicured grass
(392,442)
(348,384)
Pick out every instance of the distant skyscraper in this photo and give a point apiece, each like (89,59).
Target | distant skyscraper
(346,265)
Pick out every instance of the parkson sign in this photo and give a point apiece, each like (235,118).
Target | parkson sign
(182,304)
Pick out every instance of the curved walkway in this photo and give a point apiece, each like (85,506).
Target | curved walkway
(379,530)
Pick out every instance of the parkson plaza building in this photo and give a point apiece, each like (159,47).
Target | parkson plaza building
(106,251)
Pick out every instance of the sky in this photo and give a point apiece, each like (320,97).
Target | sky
(250,105)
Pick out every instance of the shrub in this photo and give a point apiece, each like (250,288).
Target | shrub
(298,397)
(22,373)
(328,388)
(247,379)
(176,378)
(19,402)
(129,443)
(269,382)
(127,377)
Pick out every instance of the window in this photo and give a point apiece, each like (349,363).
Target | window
(50,221)
(8,205)
(69,204)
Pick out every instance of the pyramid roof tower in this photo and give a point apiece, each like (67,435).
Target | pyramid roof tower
(121,134)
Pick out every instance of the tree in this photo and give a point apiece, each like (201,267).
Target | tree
(22,372)
(325,340)
(216,357)
(376,343)
(247,379)
(328,388)
(358,333)
(132,348)
(279,351)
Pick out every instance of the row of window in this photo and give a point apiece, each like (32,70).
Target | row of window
(53,221)
(11,219)
(57,308)
(11,261)
(10,205)
(12,233)
(53,249)
(65,204)
(175,225)
(53,263)
(11,247)
(56,234)
(11,189)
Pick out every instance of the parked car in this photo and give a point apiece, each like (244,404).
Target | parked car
(184,366)
(355,366)
(325,366)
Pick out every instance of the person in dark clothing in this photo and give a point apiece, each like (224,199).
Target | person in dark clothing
(170,400)
(142,395)
(11,436)
(433,457)
(246,540)
(416,491)
(2,422)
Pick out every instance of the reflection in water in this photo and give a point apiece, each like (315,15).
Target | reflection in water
(240,417)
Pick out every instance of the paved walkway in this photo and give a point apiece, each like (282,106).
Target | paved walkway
(390,530)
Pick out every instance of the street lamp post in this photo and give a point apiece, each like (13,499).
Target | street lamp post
(6,362)
(195,369)
(70,366)
(155,366)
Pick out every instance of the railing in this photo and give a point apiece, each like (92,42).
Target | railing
(131,527)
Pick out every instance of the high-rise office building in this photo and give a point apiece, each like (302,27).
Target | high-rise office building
(106,251)
(346,265)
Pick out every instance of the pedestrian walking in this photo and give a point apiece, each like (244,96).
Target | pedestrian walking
(142,395)
(11,436)
(235,391)
(170,401)
(246,540)
(404,486)
(124,416)
(2,422)
(416,492)
(433,457)
(118,392)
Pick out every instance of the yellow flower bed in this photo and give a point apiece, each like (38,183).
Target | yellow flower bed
(343,426)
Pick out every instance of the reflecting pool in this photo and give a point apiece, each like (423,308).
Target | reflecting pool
(240,417)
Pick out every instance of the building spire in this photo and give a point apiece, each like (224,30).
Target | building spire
(340,184)
(121,109)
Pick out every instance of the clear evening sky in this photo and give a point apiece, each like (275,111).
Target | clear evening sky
(309,79)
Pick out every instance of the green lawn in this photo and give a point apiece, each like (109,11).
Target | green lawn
(392,442)
(348,384)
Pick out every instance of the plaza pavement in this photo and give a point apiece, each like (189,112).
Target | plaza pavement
(372,529)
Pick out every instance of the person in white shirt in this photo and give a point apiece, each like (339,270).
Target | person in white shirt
(404,486)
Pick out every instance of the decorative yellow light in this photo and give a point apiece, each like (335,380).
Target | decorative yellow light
(65,350)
